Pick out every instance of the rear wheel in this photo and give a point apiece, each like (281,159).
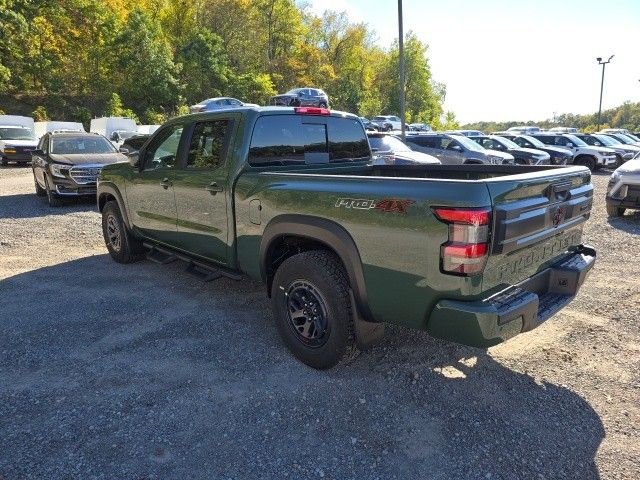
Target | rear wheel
(4,162)
(312,308)
(122,245)
(614,211)
(322,105)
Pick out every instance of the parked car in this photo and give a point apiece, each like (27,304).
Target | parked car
(302,97)
(623,191)
(525,129)
(623,152)
(116,129)
(133,144)
(522,156)
(289,197)
(419,127)
(17,139)
(386,123)
(216,103)
(456,149)
(591,157)
(563,130)
(368,124)
(66,164)
(559,155)
(624,138)
(389,150)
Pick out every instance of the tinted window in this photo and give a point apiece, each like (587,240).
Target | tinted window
(208,144)
(296,139)
(163,151)
(430,141)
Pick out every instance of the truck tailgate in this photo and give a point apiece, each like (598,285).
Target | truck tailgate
(537,218)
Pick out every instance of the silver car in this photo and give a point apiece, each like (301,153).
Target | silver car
(456,149)
(624,188)
(217,103)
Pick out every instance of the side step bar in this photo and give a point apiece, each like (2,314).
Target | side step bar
(200,269)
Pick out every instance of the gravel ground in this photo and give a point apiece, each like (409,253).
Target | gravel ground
(144,372)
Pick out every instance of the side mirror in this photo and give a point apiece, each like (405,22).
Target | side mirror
(37,152)
(134,159)
(124,150)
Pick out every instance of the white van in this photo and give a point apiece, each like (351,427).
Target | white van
(116,129)
(17,139)
(49,126)
(147,129)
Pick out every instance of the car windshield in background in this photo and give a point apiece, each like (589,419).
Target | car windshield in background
(577,142)
(468,143)
(506,142)
(80,145)
(533,141)
(16,133)
(608,141)
(625,138)
(384,144)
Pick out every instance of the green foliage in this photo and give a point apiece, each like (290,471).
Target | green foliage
(40,114)
(115,108)
(153,118)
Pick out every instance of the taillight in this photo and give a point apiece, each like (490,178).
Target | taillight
(467,249)
(312,111)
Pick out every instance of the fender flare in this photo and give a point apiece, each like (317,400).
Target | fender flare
(328,233)
(111,189)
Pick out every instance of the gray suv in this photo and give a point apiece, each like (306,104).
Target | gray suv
(456,149)
(302,97)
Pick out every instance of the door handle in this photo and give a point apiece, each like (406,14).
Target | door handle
(213,188)
(165,183)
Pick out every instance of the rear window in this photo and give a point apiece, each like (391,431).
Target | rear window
(307,139)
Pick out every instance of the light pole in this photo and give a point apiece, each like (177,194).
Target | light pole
(401,45)
(600,62)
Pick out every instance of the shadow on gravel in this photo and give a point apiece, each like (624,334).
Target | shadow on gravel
(629,222)
(141,371)
(25,205)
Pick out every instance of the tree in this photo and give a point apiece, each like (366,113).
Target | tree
(115,108)
(40,114)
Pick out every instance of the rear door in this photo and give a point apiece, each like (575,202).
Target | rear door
(200,186)
(537,218)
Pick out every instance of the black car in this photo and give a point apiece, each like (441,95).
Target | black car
(368,124)
(559,155)
(67,164)
(133,144)
(302,97)
(522,156)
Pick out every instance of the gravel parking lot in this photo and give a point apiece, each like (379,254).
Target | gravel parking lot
(144,372)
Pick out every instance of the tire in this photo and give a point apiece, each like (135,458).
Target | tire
(122,245)
(322,105)
(40,192)
(322,335)
(52,199)
(587,161)
(614,211)
(4,162)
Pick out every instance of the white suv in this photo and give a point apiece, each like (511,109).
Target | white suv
(387,122)
(583,154)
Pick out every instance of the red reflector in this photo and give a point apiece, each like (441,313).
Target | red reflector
(312,111)
(463,215)
(471,250)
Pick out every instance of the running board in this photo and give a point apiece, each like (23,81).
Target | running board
(204,271)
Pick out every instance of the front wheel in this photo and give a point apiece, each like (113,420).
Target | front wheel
(123,247)
(52,197)
(40,192)
(614,211)
(312,308)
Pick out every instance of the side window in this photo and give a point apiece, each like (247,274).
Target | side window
(445,143)
(347,139)
(163,151)
(208,144)
(276,140)
(455,146)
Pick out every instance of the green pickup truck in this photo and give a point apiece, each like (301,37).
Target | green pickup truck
(473,253)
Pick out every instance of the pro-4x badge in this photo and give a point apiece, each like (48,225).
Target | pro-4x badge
(386,205)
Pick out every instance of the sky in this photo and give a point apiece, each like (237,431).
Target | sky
(515,60)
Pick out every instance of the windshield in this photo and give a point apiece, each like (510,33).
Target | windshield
(506,142)
(533,141)
(576,141)
(16,133)
(632,137)
(624,138)
(468,143)
(68,145)
(608,141)
(388,143)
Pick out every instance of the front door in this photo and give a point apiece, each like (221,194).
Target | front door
(151,197)
(201,191)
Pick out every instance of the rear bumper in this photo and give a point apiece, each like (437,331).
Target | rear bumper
(517,309)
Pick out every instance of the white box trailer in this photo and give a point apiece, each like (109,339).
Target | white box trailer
(50,126)
(17,139)
(116,129)
(147,129)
